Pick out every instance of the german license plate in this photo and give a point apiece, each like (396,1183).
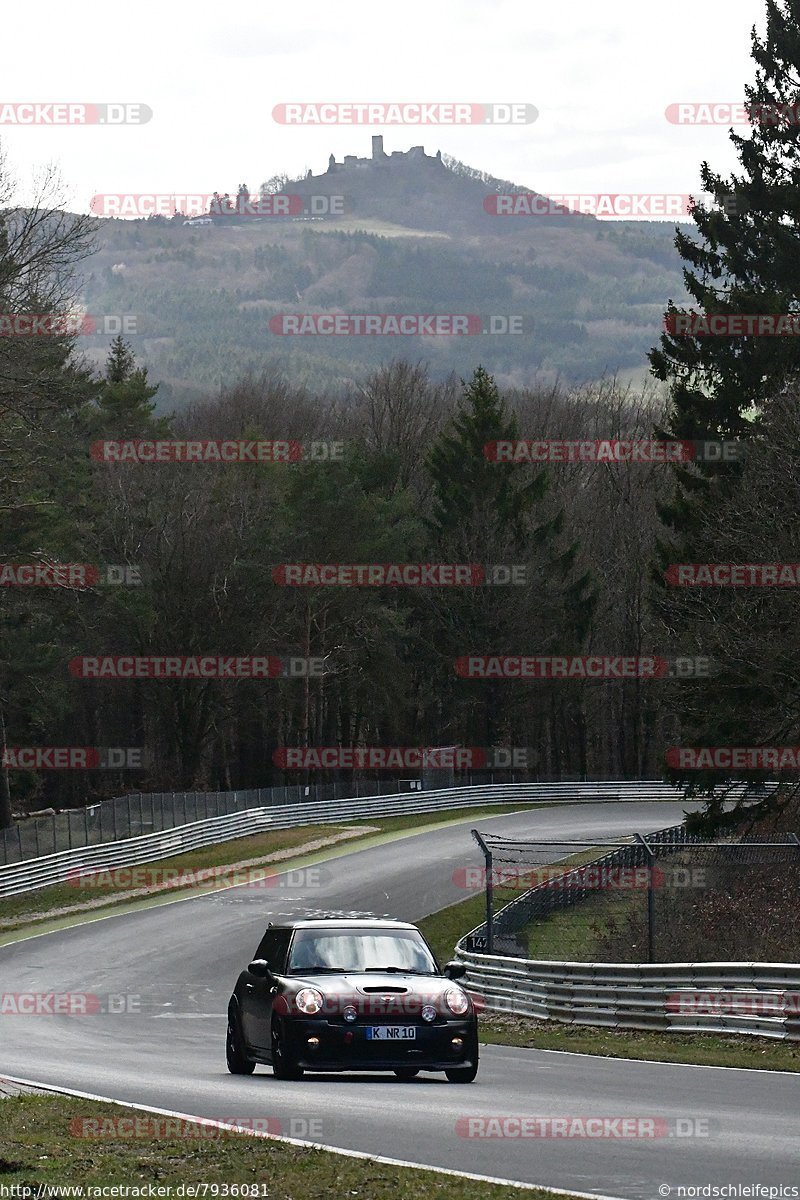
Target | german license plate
(391,1033)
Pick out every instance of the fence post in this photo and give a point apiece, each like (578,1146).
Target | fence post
(651,905)
(487,855)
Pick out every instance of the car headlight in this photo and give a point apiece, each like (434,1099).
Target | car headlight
(428,1012)
(350,1013)
(309,1001)
(457,1001)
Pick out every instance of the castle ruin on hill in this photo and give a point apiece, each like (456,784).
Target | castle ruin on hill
(351,162)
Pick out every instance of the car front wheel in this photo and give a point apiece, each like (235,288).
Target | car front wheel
(465,1074)
(462,1074)
(283,1066)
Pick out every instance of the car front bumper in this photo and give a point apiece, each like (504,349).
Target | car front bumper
(343,1047)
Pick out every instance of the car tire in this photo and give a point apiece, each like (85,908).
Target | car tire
(406,1073)
(462,1074)
(465,1074)
(238,1062)
(282,1066)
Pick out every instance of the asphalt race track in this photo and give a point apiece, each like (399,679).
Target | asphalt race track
(178,963)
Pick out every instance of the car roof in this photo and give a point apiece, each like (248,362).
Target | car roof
(343,923)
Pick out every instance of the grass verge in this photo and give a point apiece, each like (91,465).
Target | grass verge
(697,1049)
(40,1148)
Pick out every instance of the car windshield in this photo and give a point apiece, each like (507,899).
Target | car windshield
(360,950)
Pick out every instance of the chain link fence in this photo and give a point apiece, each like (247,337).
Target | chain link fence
(665,896)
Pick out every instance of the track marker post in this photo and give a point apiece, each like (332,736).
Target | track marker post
(487,855)
(651,899)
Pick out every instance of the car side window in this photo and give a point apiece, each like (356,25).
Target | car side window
(266,946)
(273,947)
(278,961)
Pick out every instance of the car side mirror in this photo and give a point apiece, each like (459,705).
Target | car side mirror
(455,970)
(260,968)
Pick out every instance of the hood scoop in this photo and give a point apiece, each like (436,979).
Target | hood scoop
(386,991)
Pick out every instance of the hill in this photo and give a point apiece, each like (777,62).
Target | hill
(410,234)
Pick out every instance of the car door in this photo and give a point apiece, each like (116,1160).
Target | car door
(276,957)
(258,992)
(256,1000)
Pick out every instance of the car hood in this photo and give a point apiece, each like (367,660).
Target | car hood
(372,983)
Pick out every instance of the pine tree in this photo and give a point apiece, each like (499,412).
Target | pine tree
(475,500)
(124,405)
(488,512)
(746,260)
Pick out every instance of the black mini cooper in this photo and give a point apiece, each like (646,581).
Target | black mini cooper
(351,995)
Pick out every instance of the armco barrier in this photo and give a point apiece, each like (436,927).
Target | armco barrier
(761,999)
(138,813)
(55,868)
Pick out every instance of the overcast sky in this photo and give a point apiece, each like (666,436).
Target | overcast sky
(600,75)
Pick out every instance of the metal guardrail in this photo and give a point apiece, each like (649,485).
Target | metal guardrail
(760,999)
(129,816)
(46,870)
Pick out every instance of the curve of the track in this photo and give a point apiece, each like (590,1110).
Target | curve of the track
(179,962)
